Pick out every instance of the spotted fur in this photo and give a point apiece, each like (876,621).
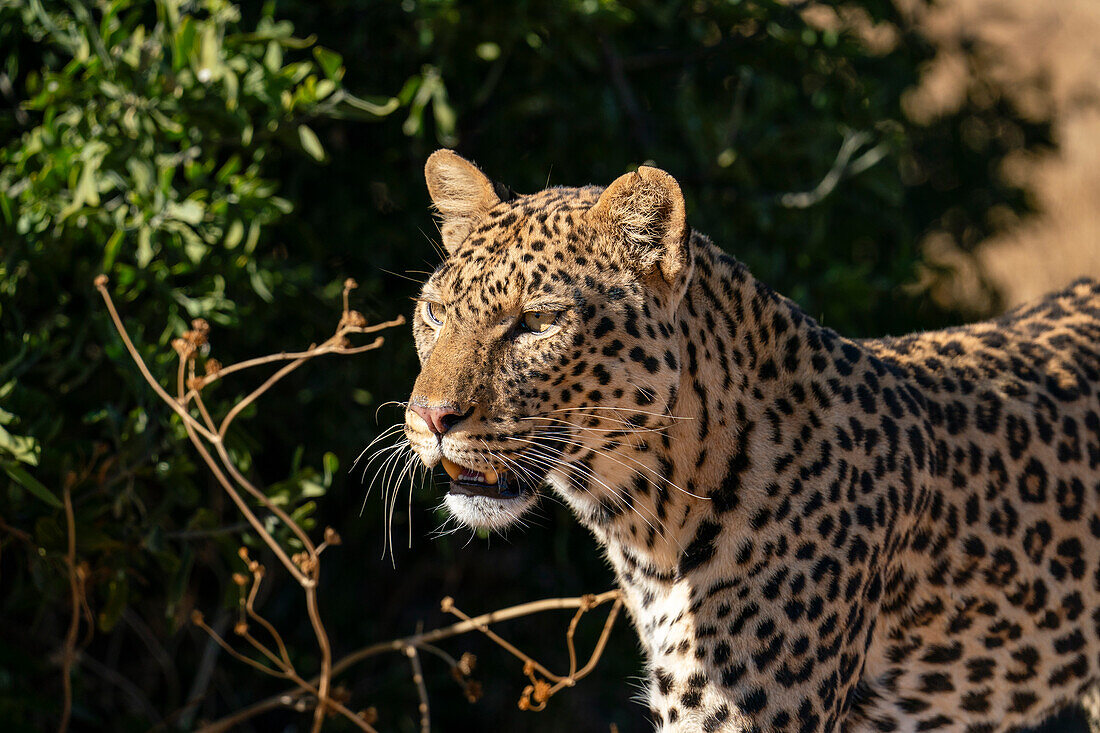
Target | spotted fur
(813,533)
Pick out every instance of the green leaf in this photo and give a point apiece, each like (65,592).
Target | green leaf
(330,62)
(6,208)
(273,57)
(310,143)
(325,87)
(31,484)
(310,488)
(184,42)
(331,464)
(303,511)
(234,234)
(257,279)
(145,247)
(186,211)
(21,447)
(143,174)
(209,52)
(110,252)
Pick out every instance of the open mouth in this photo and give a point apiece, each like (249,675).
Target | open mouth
(489,483)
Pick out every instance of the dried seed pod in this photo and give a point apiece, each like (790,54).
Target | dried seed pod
(212,366)
(197,617)
(332,537)
(341,694)
(473,691)
(240,579)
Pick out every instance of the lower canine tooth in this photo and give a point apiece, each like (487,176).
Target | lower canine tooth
(453,470)
(490,476)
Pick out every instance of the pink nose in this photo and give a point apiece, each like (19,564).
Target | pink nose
(439,419)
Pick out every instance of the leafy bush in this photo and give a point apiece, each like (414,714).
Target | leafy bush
(145,146)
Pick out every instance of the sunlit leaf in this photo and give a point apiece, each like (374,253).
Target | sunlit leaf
(188,211)
(234,234)
(22,477)
(310,143)
(330,62)
(144,253)
(111,249)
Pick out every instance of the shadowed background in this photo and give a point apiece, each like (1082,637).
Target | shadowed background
(891,166)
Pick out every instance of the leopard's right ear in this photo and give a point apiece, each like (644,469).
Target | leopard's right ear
(644,213)
(461,193)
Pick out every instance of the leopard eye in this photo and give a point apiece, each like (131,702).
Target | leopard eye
(539,321)
(434,313)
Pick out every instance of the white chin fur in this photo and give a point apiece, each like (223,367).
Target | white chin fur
(481,512)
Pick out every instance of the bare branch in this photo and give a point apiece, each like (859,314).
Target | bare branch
(476,623)
(305,567)
(421,690)
(843,166)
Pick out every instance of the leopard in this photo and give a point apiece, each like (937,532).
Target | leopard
(811,533)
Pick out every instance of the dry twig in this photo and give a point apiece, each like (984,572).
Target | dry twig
(293,697)
(205,433)
(421,690)
(540,690)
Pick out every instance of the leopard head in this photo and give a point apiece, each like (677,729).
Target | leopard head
(547,338)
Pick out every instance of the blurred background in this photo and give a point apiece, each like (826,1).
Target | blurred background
(891,165)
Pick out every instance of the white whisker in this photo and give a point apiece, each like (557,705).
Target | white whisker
(381,436)
(616,494)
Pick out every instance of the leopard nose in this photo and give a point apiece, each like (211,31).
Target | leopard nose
(441,418)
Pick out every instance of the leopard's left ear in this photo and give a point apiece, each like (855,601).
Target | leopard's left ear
(461,193)
(644,212)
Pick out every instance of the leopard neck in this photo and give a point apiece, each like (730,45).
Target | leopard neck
(740,344)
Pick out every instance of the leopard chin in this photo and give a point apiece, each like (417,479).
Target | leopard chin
(487,512)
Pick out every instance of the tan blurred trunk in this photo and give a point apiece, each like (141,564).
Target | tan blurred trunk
(1043,57)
